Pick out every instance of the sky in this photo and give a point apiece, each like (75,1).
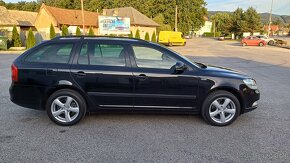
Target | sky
(281,7)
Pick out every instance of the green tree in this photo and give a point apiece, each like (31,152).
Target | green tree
(16,42)
(131,35)
(252,20)
(91,32)
(238,23)
(78,31)
(137,35)
(153,38)
(30,39)
(159,19)
(52,31)
(147,37)
(64,31)
(223,22)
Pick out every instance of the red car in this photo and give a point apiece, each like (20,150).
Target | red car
(253,41)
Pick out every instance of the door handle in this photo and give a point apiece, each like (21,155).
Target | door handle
(80,73)
(142,77)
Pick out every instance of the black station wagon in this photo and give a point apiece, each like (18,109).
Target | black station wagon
(70,76)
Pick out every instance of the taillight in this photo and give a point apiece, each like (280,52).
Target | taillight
(14,73)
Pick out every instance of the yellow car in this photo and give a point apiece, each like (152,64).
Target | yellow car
(171,38)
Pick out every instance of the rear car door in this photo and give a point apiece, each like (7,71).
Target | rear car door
(157,86)
(102,69)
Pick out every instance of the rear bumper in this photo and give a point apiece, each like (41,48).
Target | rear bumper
(27,96)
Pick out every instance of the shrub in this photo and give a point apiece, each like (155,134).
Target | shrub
(153,38)
(30,39)
(131,35)
(52,31)
(91,32)
(211,34)
(64,31)
(16,42)
(137,35)
(78,31)
(147,36)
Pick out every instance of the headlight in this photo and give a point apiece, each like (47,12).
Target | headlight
(251,83)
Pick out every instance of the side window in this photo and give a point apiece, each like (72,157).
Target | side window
(150,58)
(84,55)
(54,53)
(108,55)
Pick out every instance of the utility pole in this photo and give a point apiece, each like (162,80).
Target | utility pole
(214,28)
(175,19)
(83,16)
(270,19)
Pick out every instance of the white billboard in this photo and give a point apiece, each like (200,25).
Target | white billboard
(114,25)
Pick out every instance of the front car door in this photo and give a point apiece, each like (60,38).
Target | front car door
(102,70)
(156,84)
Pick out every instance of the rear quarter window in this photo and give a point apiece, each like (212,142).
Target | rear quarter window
(52,53)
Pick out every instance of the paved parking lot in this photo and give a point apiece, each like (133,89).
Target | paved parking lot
(259,136)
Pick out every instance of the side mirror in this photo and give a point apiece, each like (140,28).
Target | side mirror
(179,67)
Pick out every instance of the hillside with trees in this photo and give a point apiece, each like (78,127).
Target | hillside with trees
(190,12)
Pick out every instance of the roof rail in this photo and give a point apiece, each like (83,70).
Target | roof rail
(100,37)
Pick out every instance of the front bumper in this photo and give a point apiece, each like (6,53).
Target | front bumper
(251,98)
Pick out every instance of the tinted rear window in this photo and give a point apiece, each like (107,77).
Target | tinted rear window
(53,53)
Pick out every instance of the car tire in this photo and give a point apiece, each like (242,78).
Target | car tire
(170,44)
(66,107)
(184,43)
(261,44)
(220,108)
(244,44)
(271,42)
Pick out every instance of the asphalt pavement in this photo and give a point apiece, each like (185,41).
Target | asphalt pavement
(262,135)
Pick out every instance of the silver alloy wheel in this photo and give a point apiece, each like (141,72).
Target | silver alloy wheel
(65,109)
(222,110)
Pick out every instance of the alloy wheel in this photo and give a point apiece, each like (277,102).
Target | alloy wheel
(222,110)
(65,109)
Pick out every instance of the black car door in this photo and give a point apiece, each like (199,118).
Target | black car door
(102,69)
(157,85)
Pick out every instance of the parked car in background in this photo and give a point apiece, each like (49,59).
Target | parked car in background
(171,38)
(225,37)
(268,40)
(253,41)
(70,76)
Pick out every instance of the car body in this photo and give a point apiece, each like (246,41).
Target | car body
(69,76)
(171,38)
(268,40)
(224,37)
(253,41)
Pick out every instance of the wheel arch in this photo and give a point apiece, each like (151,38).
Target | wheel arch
(60,87)
(233,91)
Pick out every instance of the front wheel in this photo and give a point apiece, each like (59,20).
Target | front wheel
(244,44)
(261,44)
(66,107)
(221,108)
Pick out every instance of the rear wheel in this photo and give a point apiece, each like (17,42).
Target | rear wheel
(244,44)
(271,42)
(66,107)
(221,108)
(261,44)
